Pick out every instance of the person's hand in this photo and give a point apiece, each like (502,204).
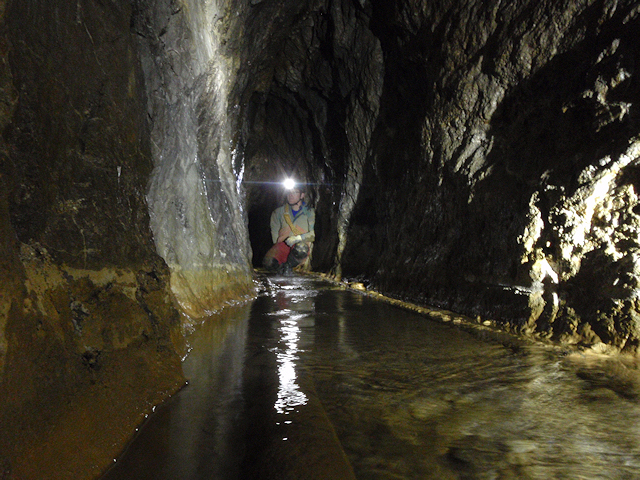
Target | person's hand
(291,241)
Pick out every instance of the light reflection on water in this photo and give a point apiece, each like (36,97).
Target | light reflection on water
(289,394)
(409,398)
(196,434)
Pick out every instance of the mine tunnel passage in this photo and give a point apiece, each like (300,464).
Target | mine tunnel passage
(309,378)
(483,157)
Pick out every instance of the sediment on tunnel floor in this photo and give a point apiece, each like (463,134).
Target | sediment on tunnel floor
(478,324)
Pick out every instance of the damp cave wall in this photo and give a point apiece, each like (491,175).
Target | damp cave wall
(195,201)
(121,218)
(501,180)
(89,331)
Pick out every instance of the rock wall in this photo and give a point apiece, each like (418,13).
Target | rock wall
(502,176)
(89,333)
(491,148)
(197,216)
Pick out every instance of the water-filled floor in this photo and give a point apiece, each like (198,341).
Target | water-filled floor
(314,381)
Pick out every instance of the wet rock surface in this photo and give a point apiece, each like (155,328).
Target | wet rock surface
(477,156)
(500,181)
(197,218)
(89,333)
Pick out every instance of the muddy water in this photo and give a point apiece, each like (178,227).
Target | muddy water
(311,381)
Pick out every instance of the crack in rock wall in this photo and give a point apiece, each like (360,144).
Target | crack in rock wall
(502,181)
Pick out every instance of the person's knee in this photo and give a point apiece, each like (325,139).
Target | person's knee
(298,254)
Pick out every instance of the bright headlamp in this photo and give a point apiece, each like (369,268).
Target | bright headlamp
(289,184)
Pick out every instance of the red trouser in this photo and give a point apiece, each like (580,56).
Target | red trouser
(280,251)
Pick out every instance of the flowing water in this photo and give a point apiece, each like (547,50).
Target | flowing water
(314,381)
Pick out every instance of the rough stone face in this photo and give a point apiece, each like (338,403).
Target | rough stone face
(88,329)
(197,219)
(502,176)
(477,156)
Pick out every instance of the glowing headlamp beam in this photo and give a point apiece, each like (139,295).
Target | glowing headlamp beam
(289,184)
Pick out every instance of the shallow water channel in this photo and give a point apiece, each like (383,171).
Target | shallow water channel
(314,381)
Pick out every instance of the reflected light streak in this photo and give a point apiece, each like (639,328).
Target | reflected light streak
(279,184)
(289,394)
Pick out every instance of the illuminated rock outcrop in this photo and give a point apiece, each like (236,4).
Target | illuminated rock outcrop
(501,181)
(196,213)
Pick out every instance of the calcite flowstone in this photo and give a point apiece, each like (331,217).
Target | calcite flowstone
(195,204)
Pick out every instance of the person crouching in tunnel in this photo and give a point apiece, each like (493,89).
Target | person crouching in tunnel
(292,232)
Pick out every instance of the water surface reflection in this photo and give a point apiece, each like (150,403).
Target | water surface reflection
(309,372)
(289,394)
(411,398)
(198,433)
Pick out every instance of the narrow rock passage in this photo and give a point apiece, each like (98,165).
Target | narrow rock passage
(313,381)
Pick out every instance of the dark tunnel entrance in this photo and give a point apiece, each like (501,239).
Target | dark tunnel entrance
(278,146)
